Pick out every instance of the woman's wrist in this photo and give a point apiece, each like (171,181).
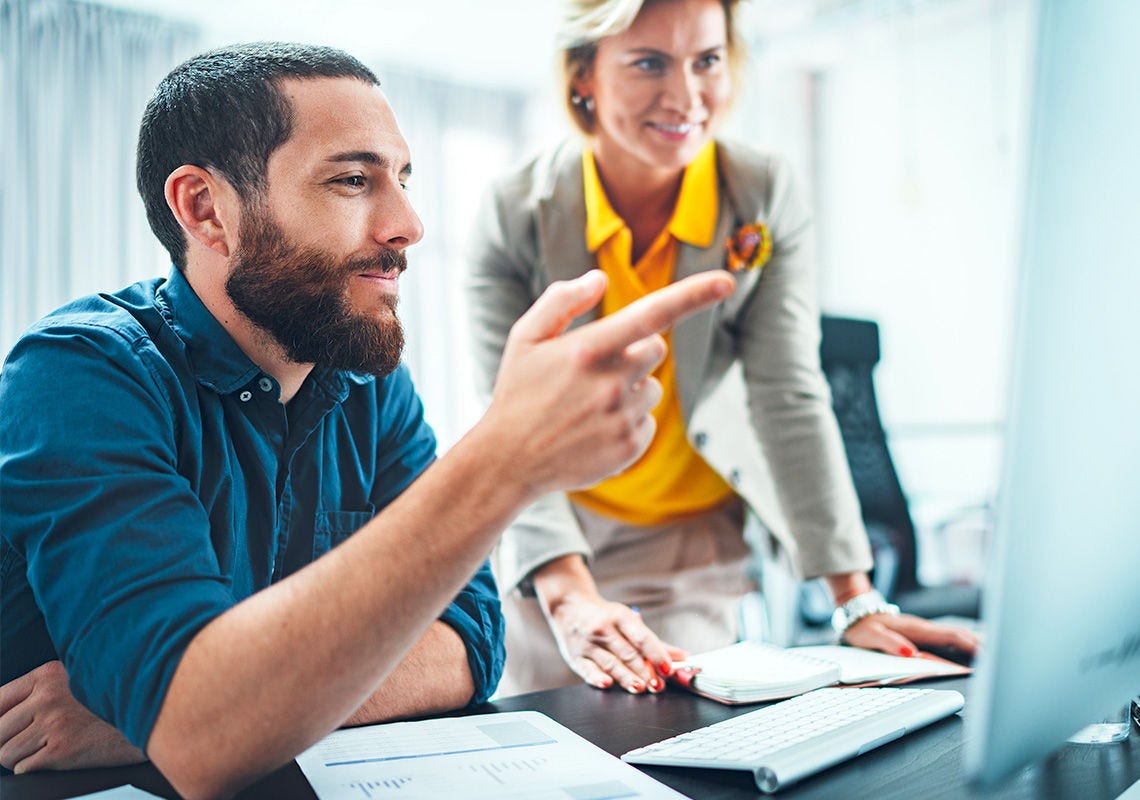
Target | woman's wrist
(561,579)
(846,585)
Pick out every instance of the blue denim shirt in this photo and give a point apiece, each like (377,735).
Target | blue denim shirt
(150,479)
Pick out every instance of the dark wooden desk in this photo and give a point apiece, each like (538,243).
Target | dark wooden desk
(922,766)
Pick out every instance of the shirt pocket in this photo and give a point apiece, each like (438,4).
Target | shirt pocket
(333,527)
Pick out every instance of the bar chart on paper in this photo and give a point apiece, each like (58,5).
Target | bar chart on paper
(522,754)
(378,788)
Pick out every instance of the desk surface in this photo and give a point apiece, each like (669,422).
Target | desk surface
(926,764)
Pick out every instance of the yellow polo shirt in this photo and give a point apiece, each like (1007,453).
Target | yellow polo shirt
(671,480)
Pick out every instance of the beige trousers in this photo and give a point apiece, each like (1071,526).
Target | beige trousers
(686,577)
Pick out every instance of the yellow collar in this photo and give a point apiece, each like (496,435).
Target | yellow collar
(694,216)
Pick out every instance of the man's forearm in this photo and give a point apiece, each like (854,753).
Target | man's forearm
(433,677)
(293,662)
(272,675)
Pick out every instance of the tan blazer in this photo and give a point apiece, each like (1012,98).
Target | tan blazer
(755,401)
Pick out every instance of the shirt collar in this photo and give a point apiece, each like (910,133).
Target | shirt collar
(602,221)
(692,221)
(217,360)
(694,217)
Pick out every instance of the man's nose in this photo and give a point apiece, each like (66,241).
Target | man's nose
(396,224)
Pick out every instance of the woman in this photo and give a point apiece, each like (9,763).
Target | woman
(607,584)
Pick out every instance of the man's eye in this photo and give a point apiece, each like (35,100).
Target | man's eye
(649,64)
(356,181)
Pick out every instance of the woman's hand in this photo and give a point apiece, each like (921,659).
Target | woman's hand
(906,634)
(896,634)
(606,643)
(602,641)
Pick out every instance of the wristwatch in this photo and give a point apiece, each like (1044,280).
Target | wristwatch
(859,606)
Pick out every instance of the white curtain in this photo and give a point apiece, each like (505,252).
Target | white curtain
(461,137)
(74,78)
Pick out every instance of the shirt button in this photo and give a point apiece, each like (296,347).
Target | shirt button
(245,396)
(699,439)
(734,477)
(265,384)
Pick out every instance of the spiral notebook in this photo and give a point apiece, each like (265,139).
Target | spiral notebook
(752,672)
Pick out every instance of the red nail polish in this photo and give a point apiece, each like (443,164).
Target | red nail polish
(636,686)
(665,668)
(907,651)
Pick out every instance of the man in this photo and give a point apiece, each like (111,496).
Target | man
(220,507)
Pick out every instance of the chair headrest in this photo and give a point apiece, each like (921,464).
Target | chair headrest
(849,340)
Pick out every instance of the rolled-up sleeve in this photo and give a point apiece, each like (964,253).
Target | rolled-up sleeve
(117,544)
(477,617)
(406,451)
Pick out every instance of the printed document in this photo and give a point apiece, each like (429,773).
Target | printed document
(121,793)
(518,754)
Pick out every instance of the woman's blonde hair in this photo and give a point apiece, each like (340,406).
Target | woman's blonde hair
(587,22)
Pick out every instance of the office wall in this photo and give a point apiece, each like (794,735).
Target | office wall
(460,137)
(908,123)
(74,79)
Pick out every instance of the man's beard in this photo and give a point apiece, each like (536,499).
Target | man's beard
(299,297)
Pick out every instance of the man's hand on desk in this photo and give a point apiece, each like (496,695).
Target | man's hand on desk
(42,726)
(906,634)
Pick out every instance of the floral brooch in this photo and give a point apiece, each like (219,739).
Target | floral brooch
(749,248)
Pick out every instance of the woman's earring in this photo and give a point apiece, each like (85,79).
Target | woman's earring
(586,103)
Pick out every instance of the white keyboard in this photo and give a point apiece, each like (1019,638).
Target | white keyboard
(787,741)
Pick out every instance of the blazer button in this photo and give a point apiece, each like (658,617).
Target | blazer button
(699,439)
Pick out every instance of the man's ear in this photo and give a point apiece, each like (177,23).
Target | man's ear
(205,206)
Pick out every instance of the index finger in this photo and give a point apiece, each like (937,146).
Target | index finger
(657,311)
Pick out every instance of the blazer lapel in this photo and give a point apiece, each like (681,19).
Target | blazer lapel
(562,224)
(692,338)
(561,236)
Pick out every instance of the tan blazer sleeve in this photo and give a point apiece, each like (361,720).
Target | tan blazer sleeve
(505,276)
(788,396)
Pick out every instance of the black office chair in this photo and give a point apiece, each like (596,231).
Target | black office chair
(849,351)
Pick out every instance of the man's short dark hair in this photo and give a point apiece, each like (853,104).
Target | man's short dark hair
(224,110)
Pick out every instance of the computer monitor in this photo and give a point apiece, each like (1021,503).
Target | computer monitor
(1062,602)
